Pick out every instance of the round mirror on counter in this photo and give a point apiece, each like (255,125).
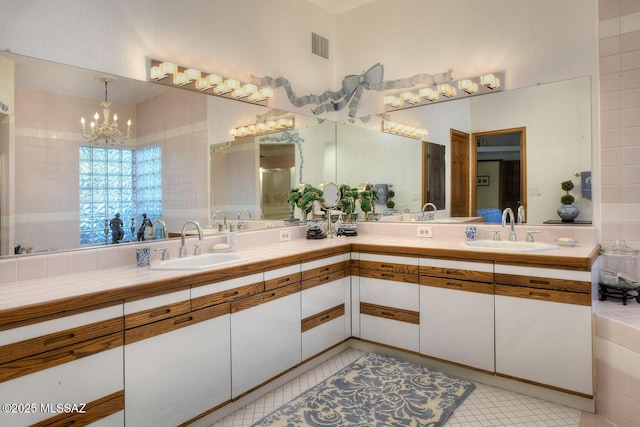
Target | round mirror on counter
(331,195)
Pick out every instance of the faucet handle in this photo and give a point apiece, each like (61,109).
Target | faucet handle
(530,234)
(197,250)
(165,253)
(496,234)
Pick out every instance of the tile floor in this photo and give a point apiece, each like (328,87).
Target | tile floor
(486,406)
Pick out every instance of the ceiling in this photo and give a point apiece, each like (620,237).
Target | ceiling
(339,6)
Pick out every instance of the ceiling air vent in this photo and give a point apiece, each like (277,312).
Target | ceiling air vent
(319,45)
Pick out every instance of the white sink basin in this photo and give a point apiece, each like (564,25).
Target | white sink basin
(509,246)
(199,262)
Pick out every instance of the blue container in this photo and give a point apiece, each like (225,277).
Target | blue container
(491,215)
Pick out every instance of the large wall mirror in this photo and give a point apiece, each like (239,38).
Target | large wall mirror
(202,173)
(203,170)
(556,118)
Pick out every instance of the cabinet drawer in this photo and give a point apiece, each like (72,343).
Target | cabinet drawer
(325,278)
(228,295)
(390,313)
(566,285)
(281,281)
(155,314)
(544,294)
(60,339)
(324,270)
(389,275)
(322,317)
(49,359)
(93,411)
(390,267)
(167,325)
(264,297)
(458,285)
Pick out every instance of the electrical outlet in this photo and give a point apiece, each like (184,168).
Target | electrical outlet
(425,231)
(285,235)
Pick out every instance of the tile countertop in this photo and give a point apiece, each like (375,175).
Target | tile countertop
(29,293)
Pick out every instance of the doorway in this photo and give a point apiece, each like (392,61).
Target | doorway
(459,173)
(499,170)
(433,174)
(277,172)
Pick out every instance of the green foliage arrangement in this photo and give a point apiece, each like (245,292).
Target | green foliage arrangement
(567,199)
(304,199)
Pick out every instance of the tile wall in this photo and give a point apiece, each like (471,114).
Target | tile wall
(617,326)
(619,50)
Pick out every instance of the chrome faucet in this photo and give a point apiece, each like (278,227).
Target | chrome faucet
(240,223)
(224,218)
(183,249)
(424,211)
(520,214)
(244,210)
(512,233)
(163,230)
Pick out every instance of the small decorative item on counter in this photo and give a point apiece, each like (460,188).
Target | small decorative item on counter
(347,205)
(620,272)
(568,211)
(143,257)
(471,233)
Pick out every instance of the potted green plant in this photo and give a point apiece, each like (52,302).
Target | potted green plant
(368,203)
(567,211)
(347,205)
(304,197)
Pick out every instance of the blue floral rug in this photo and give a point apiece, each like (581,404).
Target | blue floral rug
(377,391)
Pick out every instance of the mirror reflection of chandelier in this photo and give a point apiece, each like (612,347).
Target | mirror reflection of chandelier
(107,132)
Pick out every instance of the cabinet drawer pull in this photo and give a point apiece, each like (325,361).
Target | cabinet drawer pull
(56,340)
(325,278)
(284,280)
(539,294)
(58,356)
(386,275)
(538,282)
(230,294)
(388,314)
(324,269)
(183,320)
(159,312)
(450,272)
(69,424)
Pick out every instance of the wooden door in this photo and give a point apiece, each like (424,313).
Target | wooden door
(433,174)
(459,173)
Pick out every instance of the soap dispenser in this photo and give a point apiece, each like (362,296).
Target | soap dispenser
(232,237)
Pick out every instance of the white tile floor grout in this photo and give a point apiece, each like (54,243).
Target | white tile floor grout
(486,406)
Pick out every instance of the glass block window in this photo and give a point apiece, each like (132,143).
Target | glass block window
(149,182)
(108,186)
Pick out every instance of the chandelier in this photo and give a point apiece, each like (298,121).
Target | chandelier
(107,132)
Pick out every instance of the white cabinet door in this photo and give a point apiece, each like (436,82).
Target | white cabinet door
(546,342)
(175,376)
(266,337)
(393,303)
(326,298)
(81,381)
(457,325)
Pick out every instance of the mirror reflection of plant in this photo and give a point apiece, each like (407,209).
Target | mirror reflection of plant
(348,198)
(304,199)
(567,199)
(368,201)
(390,203)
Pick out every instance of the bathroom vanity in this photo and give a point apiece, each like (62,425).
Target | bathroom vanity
(171,347)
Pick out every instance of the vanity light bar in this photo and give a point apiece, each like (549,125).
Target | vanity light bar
(283,123)
(468,87)
(403,130)
(212,84)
